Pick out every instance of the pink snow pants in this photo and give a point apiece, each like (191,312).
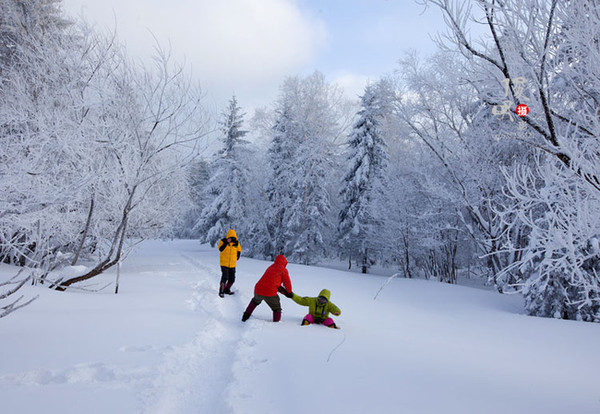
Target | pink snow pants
(326,322)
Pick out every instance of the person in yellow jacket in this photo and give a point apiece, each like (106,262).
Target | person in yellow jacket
(230,249)
(318,307)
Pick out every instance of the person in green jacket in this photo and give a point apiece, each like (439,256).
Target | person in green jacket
(318,307)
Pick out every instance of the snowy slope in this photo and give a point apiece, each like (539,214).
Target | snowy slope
(168,344)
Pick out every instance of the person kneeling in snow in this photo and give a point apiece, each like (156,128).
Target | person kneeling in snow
(318,308)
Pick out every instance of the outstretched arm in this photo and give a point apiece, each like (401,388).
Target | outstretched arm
(334,309)
(302,300)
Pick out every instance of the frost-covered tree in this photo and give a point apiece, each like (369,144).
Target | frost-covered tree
(545,54)
(455,164)
(302,225)
(41,107)
(26,23)
(561,261)
(309,224)
(197,179)
(231,126)
(228,186)
(157,121)
(10,287)
(360,219)
(281,155)
(91,150)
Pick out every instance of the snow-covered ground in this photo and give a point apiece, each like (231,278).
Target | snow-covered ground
(168,344)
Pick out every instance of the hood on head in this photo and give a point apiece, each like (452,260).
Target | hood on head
(325,293)
(281,260)
(231,233)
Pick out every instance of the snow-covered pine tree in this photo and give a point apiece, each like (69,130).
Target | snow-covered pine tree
(308,221)
(197,179)
(231,126)
(309,224)
(300,157)
(255,232)
(359,216)
(227,188)
(280,155)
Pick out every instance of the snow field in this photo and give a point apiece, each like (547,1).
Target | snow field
(168,344)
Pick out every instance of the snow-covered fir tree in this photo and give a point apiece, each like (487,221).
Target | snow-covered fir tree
(308,221)
(228,185)
(300,157)
(360,215)
(197,179)
(231,126)
(280,155)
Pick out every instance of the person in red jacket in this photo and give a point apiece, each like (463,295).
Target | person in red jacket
(266,289)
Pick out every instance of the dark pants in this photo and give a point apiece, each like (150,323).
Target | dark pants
(227,275)
(273,301)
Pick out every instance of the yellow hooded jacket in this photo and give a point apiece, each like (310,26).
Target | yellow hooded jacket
(230,252)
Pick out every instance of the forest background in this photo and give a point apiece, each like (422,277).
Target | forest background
(432,172)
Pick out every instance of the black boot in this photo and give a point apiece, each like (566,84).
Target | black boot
(227,289)
(251,306)
(222,290)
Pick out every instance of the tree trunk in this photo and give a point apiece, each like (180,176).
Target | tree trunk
(364,262)
(115,249)
(85,232)
(407,270)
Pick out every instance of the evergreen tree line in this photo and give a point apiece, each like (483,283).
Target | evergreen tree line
(432,173)
(438,175)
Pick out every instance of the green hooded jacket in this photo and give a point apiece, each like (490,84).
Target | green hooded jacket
(318,311)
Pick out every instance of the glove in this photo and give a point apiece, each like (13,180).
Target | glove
(284,292)
(223,245)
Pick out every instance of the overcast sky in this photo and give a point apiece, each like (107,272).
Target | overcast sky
(248,47)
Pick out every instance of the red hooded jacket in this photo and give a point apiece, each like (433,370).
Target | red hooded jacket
(274,276)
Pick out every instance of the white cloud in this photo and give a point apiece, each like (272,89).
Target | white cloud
(353,84)
(241,46)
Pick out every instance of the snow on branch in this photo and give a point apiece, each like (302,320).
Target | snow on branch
(14,285)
